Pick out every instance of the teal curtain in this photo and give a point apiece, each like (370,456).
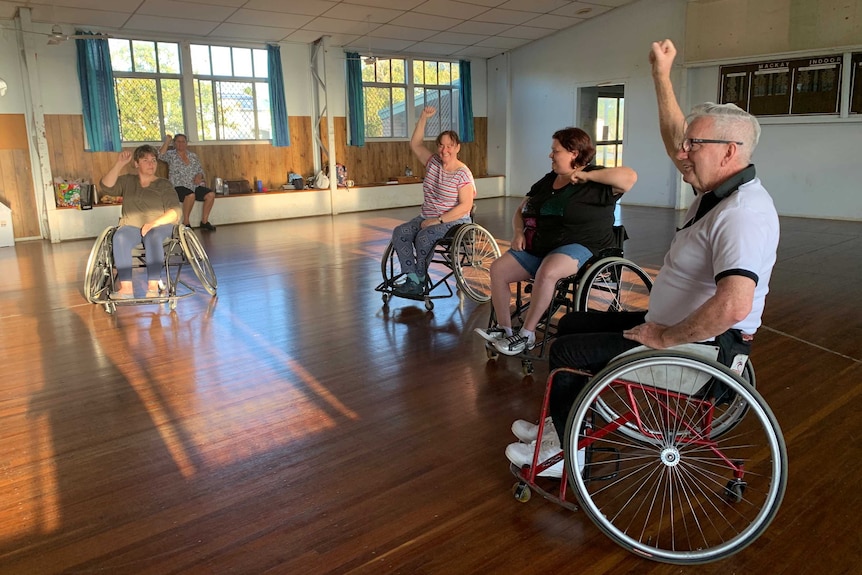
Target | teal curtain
(355,100)
(465,103)
(278,108)
(96,79)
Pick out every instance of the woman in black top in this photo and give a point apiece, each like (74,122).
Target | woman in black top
(567,216)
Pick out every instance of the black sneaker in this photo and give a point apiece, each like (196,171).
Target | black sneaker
(207,226)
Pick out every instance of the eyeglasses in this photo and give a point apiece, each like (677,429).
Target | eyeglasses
(688,143)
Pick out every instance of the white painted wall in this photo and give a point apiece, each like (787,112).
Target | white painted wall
(612,48)
(10,70)
(810,169)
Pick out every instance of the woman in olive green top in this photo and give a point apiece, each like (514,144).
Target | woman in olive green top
(150,210)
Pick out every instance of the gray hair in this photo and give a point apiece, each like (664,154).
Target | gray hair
(731,123)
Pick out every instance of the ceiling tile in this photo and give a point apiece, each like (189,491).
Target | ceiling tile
(503,43)
(303,36)
(576,10)
(86,18)
(484,28)
(478,52)
(259,33)
(128,6)
(338,26)
(500,16)
(170,25)
(362,13)
(440,7)
(394,4)
(611,3)
(553,22)
(383,44)
(423,21)
(7,10)
(234,3)
(271,19)
(525,32)
(401,33)
(305,7)
(540,6)
(187,10)
(455,38)
(488,3)
(432,48)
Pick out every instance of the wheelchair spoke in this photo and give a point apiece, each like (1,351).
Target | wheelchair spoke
(658,480)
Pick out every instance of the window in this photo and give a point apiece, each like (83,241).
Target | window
(230,99)
(231,93)
(609,126)
(148,87)
(856,85)
(386,83)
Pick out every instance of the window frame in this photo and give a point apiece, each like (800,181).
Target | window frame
(187,79)
(411,88)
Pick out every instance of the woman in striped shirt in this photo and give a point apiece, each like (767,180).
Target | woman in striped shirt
(448,191)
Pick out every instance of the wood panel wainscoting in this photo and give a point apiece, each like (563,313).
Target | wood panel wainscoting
(293,426)
(373,163)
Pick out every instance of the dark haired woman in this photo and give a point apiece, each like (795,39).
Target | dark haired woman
(566,217)
(150,210)
(448,191)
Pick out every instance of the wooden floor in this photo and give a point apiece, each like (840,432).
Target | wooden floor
(293,426)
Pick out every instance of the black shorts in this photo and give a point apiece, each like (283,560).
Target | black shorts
(199,192)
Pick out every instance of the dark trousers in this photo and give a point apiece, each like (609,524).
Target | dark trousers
(589,340)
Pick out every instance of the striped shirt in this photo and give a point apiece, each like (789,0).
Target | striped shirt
(440,187)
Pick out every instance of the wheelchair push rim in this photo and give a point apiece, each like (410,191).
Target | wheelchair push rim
(472,252)
(198,259)
(673,491)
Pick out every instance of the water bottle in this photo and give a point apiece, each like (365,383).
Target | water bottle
(408,172)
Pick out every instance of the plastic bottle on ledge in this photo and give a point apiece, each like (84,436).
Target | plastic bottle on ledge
(408,172)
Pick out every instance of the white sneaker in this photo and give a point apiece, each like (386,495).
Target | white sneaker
(515,344)
(521,454)
(491,334)
(528,432)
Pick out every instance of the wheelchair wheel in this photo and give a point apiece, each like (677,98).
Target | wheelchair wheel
(198,260)
(390,267)
(97,278)
(472,252)
(613,284)
(674,492)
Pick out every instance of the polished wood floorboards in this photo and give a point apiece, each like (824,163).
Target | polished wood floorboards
(291,425)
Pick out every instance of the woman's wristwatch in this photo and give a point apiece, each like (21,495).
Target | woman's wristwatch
(440,219)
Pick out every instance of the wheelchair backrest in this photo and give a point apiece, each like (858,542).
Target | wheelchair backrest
(678,379)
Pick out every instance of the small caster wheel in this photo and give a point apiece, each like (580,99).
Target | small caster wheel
(734,490)
(110,307)
(173,304)
(386,298)
(527,367)
(429,305)
(491,352)
(521,491)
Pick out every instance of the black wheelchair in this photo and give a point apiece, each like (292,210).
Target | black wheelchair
(466,251)
(181,248)
(606,282)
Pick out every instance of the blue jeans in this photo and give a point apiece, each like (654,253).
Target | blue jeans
(127,237)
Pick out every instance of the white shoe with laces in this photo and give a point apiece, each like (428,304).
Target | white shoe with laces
(521,454)
(491,334)
(515,344)
(528,432)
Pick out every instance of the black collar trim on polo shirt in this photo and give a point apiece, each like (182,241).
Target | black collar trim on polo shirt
(710,200)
